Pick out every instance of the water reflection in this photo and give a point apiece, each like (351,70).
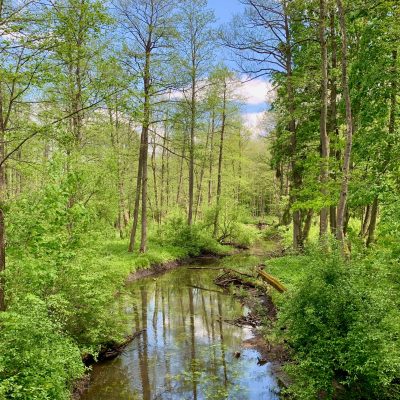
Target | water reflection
(186,350)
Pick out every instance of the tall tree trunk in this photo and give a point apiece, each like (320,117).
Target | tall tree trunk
(203,167)
(349,134)
(372,224)
(2,217)
(137,197)
(211,160)
(333,127)
(296,174)
(191,146)
(180,179)
(307,224)
(366,221)
(3,126)
(154,168)
(324,213)
(220,159)
(145,146)
(163,171)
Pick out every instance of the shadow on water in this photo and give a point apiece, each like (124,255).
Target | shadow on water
(186,351)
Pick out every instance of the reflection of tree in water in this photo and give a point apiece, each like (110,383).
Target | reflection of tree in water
(186,350)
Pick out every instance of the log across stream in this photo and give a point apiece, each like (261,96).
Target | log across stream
(188,349)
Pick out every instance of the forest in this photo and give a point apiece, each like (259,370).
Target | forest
(130,145)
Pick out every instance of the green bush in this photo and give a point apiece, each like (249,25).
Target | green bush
(232,224)
(193,240)
(37,361)
(342,322)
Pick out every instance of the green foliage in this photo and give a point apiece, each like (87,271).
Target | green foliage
(38,361)
(341,319)
(193,240)
(231,224)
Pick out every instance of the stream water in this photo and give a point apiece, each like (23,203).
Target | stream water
(186,350)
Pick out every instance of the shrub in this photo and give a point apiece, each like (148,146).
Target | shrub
(194,239)
(342,323)
(36,360)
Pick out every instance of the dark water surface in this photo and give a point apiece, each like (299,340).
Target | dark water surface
(187,350)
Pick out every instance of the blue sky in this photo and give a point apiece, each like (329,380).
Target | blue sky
(224,9)
(257,91)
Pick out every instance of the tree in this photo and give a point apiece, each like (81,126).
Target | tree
(349,128)
(23,44)
(263,40)
(194,49)
(148,24)
(324,115)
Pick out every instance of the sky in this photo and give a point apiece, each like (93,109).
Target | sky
(258,92)
(224,9)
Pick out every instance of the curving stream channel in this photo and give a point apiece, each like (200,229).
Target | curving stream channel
(186,350)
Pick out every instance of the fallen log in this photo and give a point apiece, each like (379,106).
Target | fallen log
(271,280)
(110,350)
(228,278)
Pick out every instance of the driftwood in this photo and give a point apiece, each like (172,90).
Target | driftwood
(110,350)
(229,278)
(271,280)
(237,272)
(205,289)
(250,319)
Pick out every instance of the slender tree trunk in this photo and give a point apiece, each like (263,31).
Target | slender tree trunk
(137,197)
(191,145)
(3,125)
(307,224)
(145,145)
(393,97)
(163,172)
(324,214)
(154,168)
(333,128)
(220,159)
(372,224)
(211,160)
(200,185)
(239,183)
(180,180)
(296,174)
(366,221)
(2,220)
(349,134)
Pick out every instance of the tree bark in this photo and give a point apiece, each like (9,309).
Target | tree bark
(349,132)
(366,221)
(220,159)
(155,186)
(372,224)
(324,213)
(3,126)
(145,145)
(191,151)
(137,197)
(333,127)
(296,174)
(200,185)
(211,160)
(307,224)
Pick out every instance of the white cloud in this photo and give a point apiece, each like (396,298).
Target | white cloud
(259,123)
(256,91)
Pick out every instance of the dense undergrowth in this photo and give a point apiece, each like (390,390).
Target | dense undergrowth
(341,320)
(63,274)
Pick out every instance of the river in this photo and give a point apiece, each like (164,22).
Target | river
(187,349)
